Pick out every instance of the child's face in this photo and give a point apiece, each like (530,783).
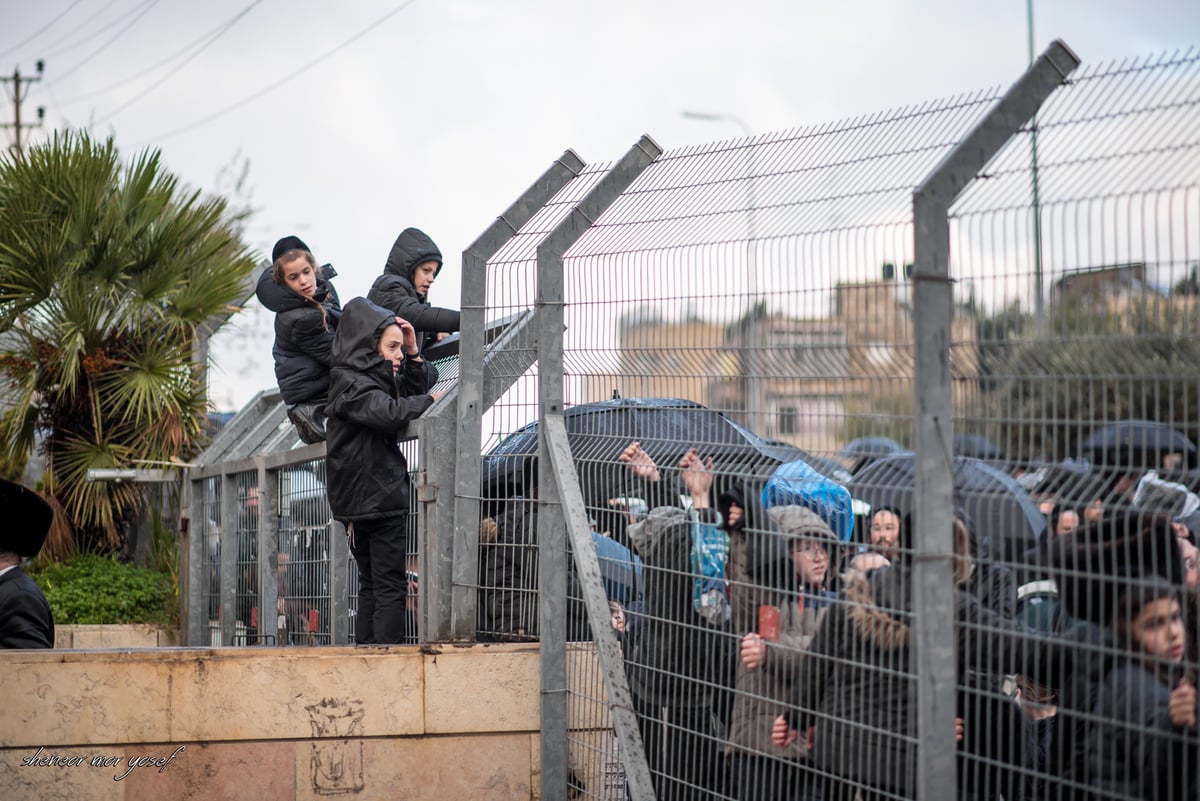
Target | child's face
(423,277)
(1159,630)
(391,346)
(1191,564)
(811,561)
(299,275)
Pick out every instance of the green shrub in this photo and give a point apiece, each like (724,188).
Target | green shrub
(99,589)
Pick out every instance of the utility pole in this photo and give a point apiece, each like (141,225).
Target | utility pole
(17,96)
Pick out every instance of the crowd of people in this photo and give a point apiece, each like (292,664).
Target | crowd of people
(802,685)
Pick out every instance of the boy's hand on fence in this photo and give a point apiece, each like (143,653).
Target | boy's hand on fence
(697,476)
(639,462)
(754,650)
(1182,705)
(958,730)
(783,735)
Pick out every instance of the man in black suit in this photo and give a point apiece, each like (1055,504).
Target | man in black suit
(25,618)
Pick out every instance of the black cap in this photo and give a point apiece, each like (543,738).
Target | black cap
(28,522)
(286,244)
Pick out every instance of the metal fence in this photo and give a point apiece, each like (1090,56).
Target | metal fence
(927,315)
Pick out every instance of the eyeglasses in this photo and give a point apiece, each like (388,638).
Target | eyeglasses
(812,548)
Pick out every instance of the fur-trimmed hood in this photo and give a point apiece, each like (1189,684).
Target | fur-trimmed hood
(873,622)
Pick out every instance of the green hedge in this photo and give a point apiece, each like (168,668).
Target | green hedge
(99,589)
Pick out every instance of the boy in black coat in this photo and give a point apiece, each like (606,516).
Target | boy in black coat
(378,384)
(412,265)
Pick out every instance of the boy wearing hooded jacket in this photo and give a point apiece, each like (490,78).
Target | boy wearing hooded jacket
(412,265)
(378,384)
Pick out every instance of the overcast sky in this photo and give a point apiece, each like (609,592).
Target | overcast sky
(359,119)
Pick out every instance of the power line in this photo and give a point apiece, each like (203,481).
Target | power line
(181,64)
(281,81)
(145,8)
(59,48)
(210,36)
(40,30)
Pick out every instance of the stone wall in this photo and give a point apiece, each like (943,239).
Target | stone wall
(273,723)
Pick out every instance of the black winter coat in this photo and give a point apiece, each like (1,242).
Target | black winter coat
(303,338)
(369,408)
(855,684)
(395,289)
(25,617)
(678,658)
(1134,749)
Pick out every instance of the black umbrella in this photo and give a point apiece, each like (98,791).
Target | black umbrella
(977,447)
(996,505)
(862,451)
(1138,444)
(1068,482)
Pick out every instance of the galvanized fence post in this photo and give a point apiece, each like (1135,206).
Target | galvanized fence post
(268,551)
(933,593)
(556,472)
(339,584)
(229,555)
(457,420)
(195,625)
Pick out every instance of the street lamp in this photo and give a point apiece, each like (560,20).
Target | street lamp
(1038,302)
(753,395)
(751,232)
(709,117)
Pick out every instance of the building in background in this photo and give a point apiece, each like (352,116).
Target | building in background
(815,382)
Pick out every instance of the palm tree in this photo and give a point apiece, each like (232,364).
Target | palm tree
(106,273)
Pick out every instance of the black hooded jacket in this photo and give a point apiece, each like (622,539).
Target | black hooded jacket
(368,409)
(395,289)
(303,338)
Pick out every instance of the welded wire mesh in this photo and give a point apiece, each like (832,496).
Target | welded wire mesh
(209,597)
(1085,386)
(303,560)
(767,280)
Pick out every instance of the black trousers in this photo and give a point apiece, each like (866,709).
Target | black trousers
(380,548)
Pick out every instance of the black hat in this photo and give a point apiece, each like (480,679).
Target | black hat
(286,244)
(28,519)
(1101,561)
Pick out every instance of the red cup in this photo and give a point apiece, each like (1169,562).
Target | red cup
(768,622)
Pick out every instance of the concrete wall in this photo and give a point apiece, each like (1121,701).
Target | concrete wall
(129,635)
(273,723)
